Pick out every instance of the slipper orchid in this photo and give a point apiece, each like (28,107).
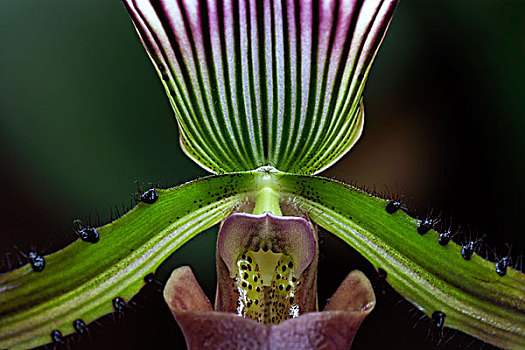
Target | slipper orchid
(266,94)
(266,267)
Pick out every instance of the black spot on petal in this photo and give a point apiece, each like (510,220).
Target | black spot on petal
(424,226)
(150,196)
(149,278)
(89,234)
(467,250)
(444,238)
(438,319)
(57,337)
(119,304)
(501,267)
(80,326)
(392,207)
(37,261)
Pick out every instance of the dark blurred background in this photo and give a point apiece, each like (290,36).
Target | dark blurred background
(83,116)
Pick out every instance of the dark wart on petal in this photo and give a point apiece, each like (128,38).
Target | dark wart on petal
(89,234)
(57,337)
(149,197)
(501,266)
(80,326)
(425,225)
(444,238)
(438,319)
(467,250)
(119,304)
(37,261)
(392,207)
(149,278)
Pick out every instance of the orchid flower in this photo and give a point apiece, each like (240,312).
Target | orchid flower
(267,269)
(266,95)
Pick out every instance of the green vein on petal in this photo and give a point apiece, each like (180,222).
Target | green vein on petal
(81,280)
(257,83)
(474,298)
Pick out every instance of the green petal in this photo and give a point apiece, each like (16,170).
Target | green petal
(257,83)
(81,280)
(474,298)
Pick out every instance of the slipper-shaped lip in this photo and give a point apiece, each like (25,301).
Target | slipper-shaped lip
(333,328)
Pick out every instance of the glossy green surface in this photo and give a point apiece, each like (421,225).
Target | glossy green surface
(81,280)
(475,299)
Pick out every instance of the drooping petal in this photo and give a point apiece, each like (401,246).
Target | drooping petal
(81,281)
(331,329)
(255,83)
(465,294)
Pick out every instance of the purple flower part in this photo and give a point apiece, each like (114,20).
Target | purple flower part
(182,291)
(242,231)
(294,289)
(333,328)
(258,82)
